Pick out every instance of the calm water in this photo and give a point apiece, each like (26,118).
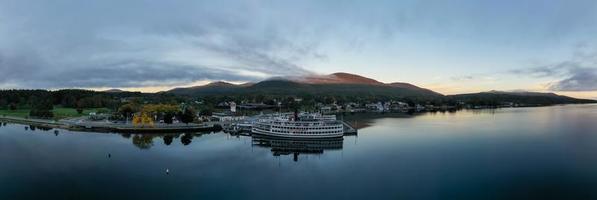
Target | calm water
(533,153)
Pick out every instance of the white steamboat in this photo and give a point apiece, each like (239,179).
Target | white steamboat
(312,126)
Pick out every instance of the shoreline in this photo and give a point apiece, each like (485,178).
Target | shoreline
(106,127)
(72,125)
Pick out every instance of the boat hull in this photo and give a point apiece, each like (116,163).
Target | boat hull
(297,136)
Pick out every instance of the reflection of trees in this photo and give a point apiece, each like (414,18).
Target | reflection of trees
(42,128)
(168,139)
(186,139)
(143,141)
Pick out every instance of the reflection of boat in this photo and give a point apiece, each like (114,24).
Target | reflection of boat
(310,126)
(286,146)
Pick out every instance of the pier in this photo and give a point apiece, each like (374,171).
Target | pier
(348,129)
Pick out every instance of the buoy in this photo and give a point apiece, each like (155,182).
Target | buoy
(109,155)
(167,171)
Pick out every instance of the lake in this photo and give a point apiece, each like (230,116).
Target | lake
(511,153)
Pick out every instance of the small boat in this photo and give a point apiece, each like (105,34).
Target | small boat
(239,128)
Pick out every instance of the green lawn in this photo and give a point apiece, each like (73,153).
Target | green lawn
(15,113)
(59,112)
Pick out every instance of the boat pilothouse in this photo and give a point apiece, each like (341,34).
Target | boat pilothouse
(304,126)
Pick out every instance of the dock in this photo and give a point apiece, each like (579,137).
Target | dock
(348,129)
(33,122)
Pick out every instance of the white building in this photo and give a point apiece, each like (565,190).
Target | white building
(232,107)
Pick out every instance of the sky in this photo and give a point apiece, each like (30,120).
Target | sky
(450,46)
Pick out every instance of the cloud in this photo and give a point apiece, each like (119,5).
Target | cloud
(579,73)
(581,79)
(138,44)
(463,78)
(543,71)
(576,76)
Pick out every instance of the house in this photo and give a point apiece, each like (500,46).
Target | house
(399,106)
(325,109)
(232,107)
(419,108)
(377,107)
(223,105)
(386,106)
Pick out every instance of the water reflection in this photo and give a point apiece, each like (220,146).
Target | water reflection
(534,153)
(145,141)
(278,146)
(364,120)
(140,140)
(295,147)
(168,139)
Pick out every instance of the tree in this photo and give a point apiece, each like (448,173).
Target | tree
(79,107)
(127,110)
(42,106)
(12,106)
(205,112)
(168,117)
(187,116)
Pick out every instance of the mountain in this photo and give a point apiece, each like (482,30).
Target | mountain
(352,85)
(114,91)
(410,86)
(520,97)
(336,78)
(218,87)
(343,84)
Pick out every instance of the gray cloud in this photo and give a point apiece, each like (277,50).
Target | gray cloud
(580,74)
(464,78)
(137,43)
(580,71)
(543,71)
(581,79)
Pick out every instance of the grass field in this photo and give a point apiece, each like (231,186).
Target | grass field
(59,112)
(15,113)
